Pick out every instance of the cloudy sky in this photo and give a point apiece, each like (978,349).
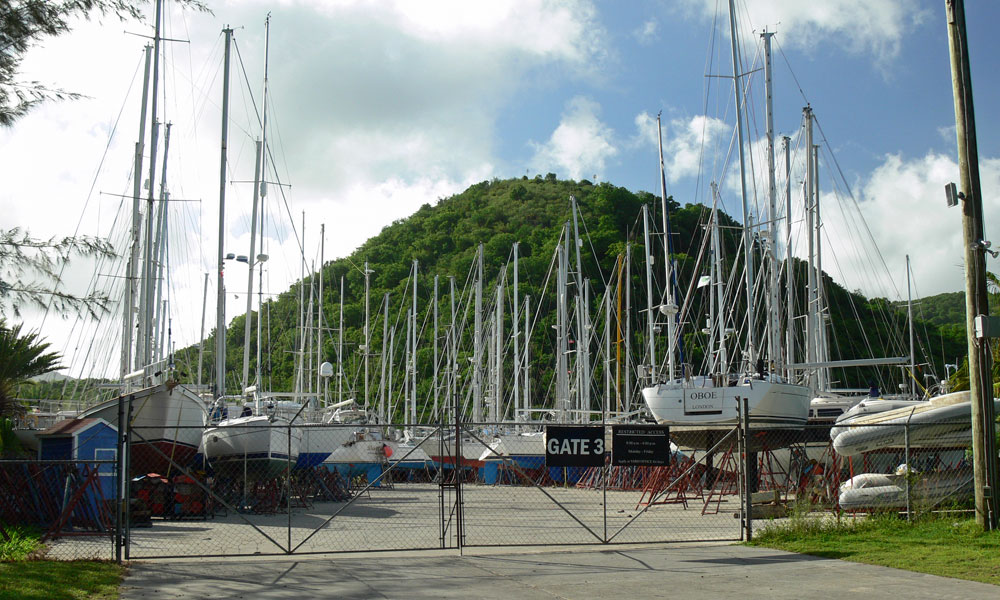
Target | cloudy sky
(377,107)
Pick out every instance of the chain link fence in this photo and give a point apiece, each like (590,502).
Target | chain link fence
(255,487)
(70,502)
(857,470)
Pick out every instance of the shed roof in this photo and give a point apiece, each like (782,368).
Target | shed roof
(69,427)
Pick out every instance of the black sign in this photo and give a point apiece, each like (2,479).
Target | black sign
(578,446)
(640,445)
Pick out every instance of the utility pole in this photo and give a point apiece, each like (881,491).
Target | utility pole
(984,453)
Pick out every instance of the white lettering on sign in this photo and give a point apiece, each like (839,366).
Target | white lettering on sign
(573,446)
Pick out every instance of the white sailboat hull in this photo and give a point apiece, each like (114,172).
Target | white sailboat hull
(166,423)
(252,447)
(770,403)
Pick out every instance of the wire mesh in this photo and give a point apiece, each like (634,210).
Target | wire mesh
(260,487)
(71,503)
(516,498)
(860,469)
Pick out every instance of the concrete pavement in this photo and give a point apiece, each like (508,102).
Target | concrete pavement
(690,571)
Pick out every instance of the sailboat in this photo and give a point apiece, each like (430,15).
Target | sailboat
(165,418)
(712,402)
(264,442)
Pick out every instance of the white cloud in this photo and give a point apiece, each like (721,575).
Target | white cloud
(647,33)
(947,133)
(903,204)
(580,146)
(685,142)
(862,26)
(376,108)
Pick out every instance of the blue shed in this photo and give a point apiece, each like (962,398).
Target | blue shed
(83,440)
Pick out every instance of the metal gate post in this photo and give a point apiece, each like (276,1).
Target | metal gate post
(121,498)
(606,474)
(745,466)
(459,513)
(128,481)
(288,486)
(442,511)
(906,461)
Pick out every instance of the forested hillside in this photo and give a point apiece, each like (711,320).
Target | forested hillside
(443,238)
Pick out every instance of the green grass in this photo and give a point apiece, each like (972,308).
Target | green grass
(25,579)
(937,545)
(57,580)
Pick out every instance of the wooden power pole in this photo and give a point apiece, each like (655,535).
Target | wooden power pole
(976,300)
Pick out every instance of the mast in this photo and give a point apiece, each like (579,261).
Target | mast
(201,337)
(413,352)
(909,318)
(628,326)
(133,263)
(619,296)
(649,295)
(435,382)
(670,310)
(773,335)
(811,297)
(515,323)
(385,337)
(527,355)
(260,188)
(582,314)
(220,315)
(821,346)
(789,266)
(562,385)
(340,346)
(319,308)
(250,265)
(607,349)
(367,348)
(302,311)
(147,294)
(310,331)
(498,352)
(718,321)
(584,349)
(407,391)
(453,353)
(747,237)
(392,363)
(477,349)
(161,254)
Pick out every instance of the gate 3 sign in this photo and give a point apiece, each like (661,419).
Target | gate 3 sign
(574,446)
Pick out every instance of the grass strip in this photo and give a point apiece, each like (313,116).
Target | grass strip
(60,580)
(25,579)
(936,545)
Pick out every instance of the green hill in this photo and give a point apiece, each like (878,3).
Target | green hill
(444,238)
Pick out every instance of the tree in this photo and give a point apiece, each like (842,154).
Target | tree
(22,356)
(24,23)
(30,272)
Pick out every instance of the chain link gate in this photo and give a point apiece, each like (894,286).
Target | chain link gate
(373,492)
(519,500)
(411,488)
